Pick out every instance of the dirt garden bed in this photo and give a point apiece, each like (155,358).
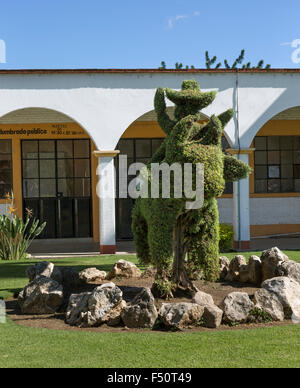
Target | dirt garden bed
(130,288)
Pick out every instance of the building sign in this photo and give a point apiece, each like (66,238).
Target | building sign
(66,130)
(63,129)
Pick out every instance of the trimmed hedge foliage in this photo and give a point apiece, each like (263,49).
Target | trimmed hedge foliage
(156,221)
(226,238)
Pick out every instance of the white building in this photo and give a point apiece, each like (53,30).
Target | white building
(56,126)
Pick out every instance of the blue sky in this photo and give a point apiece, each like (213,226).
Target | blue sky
(140,34)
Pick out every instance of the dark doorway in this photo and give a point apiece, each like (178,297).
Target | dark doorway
(137,151)
(56,177)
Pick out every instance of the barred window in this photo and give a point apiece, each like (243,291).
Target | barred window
(5,168)
(277,164)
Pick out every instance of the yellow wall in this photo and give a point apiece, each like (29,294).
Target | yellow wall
(19,132)
(272,230)
(143,129)
(280,128)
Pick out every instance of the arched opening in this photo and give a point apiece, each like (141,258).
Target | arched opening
(275,183)
(46,161)
(139,142)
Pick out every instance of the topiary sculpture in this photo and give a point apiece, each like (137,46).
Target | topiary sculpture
(164,231)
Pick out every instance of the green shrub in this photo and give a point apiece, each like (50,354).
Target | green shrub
(164,231)
(16,235)
(226,238)
(259,316)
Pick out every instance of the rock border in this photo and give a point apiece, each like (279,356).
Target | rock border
(277,299)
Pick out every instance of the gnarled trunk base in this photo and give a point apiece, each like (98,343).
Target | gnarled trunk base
(180,276)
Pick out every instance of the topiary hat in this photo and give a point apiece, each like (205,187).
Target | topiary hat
(191,95)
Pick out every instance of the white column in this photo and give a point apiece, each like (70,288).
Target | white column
(106,194)
(241,205)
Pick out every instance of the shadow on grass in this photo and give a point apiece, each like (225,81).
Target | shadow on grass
(13,274)
(12,291)
(18,270)
(13,270)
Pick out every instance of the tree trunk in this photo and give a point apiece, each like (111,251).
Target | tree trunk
(180,275)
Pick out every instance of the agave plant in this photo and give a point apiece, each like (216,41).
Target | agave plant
(16,235)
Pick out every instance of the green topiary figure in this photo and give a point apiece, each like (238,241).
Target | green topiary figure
(164,231)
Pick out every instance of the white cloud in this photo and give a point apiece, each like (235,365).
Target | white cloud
(172,20)
(286,44)
(175,19)
(295,57)
(294,44)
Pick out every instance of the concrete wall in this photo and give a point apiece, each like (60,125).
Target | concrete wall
(4,209)
(265,211)
(105,104)
(225,210)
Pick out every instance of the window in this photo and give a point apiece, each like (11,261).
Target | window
(277,164)
(56,168)
(137,151)
(5,167)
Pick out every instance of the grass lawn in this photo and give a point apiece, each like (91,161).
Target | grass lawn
(29,347)
(13,273)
